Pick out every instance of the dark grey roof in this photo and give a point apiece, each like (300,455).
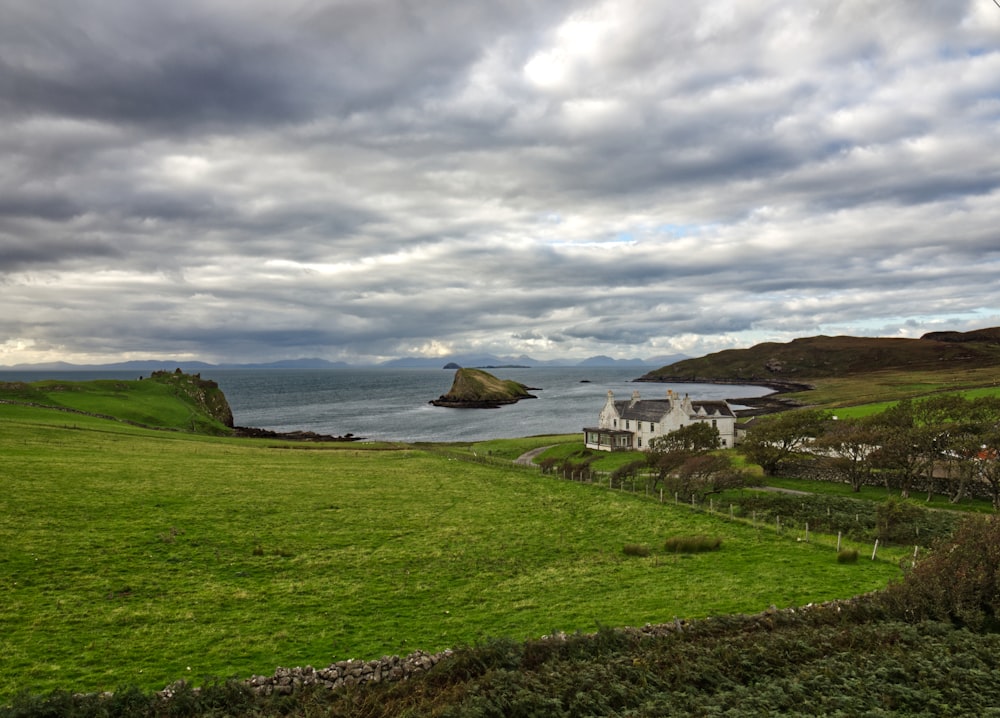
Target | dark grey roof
(654,409)
(714,408)
(644,409)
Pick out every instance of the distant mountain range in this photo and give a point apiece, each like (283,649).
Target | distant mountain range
(490,360)
(464,360)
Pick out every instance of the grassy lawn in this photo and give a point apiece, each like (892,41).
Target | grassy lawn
(136,557)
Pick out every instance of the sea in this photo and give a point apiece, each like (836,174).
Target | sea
(392,404)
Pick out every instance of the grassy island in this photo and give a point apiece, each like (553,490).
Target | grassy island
(478,389)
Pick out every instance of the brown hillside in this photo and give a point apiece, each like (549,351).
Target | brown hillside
(816,357)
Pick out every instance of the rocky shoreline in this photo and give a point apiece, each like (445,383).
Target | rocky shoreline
(769,404)
(249,432)
(477,403)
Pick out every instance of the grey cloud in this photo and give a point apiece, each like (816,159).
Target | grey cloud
(356,178)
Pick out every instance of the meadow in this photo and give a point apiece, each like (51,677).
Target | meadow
(133,557)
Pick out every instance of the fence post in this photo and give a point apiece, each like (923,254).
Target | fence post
(838,542)
(875,550)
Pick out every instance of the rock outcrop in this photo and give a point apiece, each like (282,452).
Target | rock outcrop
(203,393)
(478,389)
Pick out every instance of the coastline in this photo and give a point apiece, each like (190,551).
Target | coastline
(768,404)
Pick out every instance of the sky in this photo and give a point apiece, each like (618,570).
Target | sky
(357,180)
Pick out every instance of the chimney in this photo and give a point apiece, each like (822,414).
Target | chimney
(635,398)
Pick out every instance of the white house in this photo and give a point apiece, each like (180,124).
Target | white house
(631,425)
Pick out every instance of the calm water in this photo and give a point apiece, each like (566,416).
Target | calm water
(392,404)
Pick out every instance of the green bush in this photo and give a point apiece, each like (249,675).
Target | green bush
(958,582)
(692,544)
(636,549)
(847,556)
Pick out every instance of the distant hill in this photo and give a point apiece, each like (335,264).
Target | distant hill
(494,361)
(145,366)
(151,365)
(822,356)
(602,360)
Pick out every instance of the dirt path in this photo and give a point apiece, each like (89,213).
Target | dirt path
(528,457)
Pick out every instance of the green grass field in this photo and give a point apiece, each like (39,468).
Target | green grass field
(137,557)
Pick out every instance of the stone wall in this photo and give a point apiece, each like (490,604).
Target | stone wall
(285,681)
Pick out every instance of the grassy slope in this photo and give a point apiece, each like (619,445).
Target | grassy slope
(130,557)
(811,358)
(173,401)
(851,371)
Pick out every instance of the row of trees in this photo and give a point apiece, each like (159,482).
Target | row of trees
(942,444)
(683,463)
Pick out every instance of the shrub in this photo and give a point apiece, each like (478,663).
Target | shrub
(895,520)
(958,582)
(636,549)
(847,555)
(692,544)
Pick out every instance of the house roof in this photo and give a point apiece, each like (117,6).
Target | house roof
(714,408)
(654,409)
(644,409)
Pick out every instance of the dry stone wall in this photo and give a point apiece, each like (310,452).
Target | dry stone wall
(286,681)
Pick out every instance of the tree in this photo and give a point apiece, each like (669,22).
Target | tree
(848,446)
(666,454)
(775,440)
(905,455)
(695,438)
(699,475)
(684,463)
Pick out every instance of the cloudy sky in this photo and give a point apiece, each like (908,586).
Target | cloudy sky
(245,180)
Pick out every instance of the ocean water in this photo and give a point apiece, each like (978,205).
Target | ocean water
(393,404)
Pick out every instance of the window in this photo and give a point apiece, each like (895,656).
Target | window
(626,424)
(640,442)
(652,426)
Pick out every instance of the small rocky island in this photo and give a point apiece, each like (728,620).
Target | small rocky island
(478,389)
